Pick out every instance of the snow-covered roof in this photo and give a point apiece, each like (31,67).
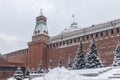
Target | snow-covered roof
(74,32)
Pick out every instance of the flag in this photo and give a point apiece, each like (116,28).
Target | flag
(73,15)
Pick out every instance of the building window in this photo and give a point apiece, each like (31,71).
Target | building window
(96,34)
(118,30)
(78,38)
(101,34)
(53,44)
(63,42)
(50,45)
(70,40)
(91,35)
(87,37)
(60,43)
(106,33)
(67,42)
(56,44)
(112,31)
(74,39)
(83,38)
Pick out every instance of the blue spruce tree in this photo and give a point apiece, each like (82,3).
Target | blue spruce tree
(79,58)
(116,61)
(92,58)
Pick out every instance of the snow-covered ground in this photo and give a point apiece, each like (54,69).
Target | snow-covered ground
(107,73)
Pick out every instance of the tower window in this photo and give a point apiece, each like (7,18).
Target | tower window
(38,31)
(44,31)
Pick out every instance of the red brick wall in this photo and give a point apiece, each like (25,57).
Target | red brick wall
(105,46)
(19,58)
(4,75)
(11,64)
(36,54)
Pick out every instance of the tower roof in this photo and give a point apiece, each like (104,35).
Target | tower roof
(41,25)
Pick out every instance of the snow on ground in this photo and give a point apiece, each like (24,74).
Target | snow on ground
(84,74)
(15,79)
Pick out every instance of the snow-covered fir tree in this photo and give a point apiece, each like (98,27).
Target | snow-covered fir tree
(92,57)
(50,65)
(18,74)
(116,61)
(60,62)
(69,65)
(40,68)
(79,58)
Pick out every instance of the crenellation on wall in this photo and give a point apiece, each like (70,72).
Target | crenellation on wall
(19,57)
(100,35)
(19,52)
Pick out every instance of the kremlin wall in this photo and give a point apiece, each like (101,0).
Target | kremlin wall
(42,47)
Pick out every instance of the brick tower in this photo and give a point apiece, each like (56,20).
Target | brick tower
(37,47)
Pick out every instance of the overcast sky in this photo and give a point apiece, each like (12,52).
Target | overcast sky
(17,18)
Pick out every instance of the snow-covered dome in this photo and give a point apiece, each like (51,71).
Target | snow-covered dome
(72,27)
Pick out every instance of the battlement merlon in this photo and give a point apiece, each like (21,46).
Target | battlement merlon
(18,52)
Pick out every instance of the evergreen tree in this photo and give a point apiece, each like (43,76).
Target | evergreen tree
(50,65)
(79,58)
(69,66)
(92,58)
(60,62)
(116,61)
(18,74)
(40,68)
